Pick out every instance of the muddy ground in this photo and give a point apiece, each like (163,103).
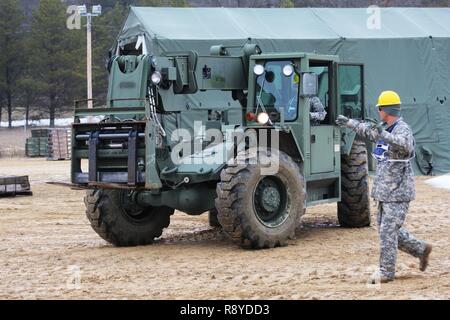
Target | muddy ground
(48,250)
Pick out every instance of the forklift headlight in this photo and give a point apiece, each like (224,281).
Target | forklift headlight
(263,118)
(156,78)
(259,69)
(288,70)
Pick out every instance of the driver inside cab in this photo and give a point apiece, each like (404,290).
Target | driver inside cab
(317,110)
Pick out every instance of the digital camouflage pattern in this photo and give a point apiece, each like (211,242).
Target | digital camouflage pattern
(318,112)
(394,181)
(391,216)
(393,188)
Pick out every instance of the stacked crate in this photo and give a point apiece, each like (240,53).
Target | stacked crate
(59,144)
(12,186)
(37,144)
(54,143)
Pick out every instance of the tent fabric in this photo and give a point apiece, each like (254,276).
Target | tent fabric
(409,53)
(275,23)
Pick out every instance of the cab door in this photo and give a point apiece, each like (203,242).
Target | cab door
(349,88)
(322,135)
(322,151)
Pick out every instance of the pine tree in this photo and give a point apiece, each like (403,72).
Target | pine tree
(29,94)
(161,3)
(179,3)
(286,4)
(149,3)
(11,58)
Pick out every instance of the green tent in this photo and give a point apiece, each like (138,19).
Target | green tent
(404,49)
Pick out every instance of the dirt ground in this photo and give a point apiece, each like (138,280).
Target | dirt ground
(49,251)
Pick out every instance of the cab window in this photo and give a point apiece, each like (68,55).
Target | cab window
(350,90)
(276,92)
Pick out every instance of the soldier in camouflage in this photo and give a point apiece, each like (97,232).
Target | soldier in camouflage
(318,112)
(394,183)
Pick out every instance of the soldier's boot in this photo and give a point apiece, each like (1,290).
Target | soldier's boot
(424,260)
(379,278)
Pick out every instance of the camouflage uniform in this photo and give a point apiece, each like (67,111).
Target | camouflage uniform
(393,189)
(318,112)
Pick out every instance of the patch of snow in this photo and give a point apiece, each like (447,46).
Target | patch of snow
(440,182)
(63,122)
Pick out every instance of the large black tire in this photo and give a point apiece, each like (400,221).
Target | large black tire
(354,208)
(123,223)
(260,211)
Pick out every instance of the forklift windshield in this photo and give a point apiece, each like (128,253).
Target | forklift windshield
(276,91)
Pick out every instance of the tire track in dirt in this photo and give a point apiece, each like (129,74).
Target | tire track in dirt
(46,239)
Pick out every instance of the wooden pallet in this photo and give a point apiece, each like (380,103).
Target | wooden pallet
(12,186)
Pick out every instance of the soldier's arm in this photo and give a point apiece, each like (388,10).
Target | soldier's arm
(318,110)
(364,130)
(402,139)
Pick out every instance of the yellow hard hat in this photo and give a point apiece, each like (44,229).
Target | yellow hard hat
(388,98)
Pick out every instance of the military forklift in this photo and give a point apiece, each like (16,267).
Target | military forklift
(228,134)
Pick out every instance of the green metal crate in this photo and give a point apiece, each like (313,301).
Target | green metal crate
(12,186)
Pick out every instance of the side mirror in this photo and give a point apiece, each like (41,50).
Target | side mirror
(310,84)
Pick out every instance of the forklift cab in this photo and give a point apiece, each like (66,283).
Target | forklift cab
(283,86)
(340,89)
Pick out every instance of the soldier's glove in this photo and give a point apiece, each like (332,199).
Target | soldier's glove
(378,127)
(345,122)
(342,121)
